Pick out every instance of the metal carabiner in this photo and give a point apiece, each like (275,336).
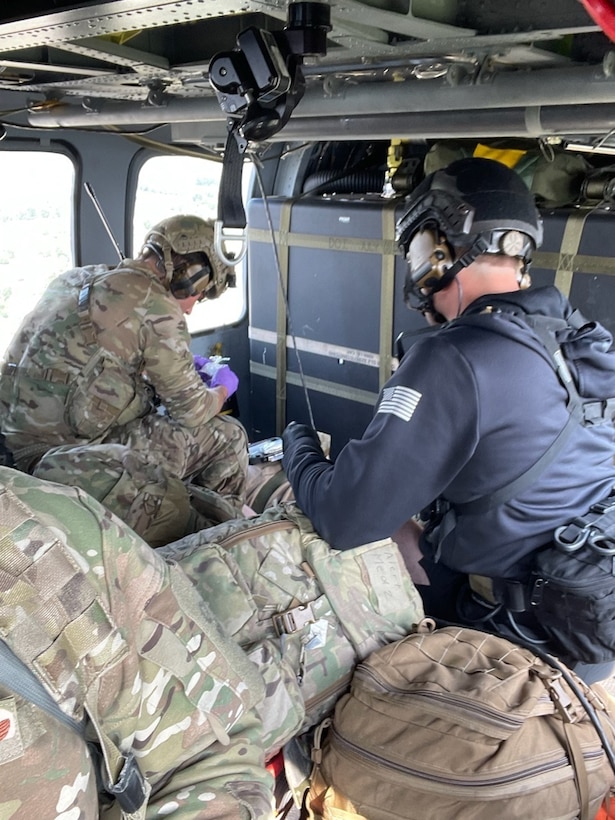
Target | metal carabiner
(597,538)
(221,236)
(575,544)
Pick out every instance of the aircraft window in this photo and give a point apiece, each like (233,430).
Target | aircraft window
(36,215)
(175,185)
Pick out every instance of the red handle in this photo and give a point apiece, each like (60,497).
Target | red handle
(602,12)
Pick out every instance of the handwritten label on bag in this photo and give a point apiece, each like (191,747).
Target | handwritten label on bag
(385,578)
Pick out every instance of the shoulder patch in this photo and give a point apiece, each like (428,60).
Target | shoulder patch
(11,747)
(399,401)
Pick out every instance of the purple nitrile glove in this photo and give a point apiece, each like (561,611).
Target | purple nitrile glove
(224,377)
(201,363)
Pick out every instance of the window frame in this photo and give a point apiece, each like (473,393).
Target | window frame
(136,166)
(61,148)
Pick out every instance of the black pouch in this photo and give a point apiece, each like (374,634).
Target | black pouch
(572,589)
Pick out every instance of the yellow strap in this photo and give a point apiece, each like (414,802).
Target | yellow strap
(507,156)
(583,264)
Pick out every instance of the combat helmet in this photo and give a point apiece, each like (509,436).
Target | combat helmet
(183,241)
(472,207)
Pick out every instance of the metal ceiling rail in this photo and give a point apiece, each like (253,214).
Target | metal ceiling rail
(513,89)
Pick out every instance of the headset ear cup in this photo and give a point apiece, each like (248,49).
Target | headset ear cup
(429,257)
(442,258)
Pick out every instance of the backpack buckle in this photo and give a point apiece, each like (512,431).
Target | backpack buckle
(561,700)
(293,620)
(603,506)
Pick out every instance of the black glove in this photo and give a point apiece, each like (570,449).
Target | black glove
(301,448)
(302,435)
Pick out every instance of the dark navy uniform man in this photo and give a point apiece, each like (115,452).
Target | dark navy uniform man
(476,409)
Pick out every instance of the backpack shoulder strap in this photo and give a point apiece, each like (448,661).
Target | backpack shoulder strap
(544,328)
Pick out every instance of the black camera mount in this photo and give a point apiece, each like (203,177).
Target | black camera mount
(259,83)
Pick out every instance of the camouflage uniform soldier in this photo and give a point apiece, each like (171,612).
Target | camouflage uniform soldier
(103,360)
(122,641)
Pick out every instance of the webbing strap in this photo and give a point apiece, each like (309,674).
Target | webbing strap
(282,318)
(341,391)
(584,263)
(541,325)
(526,479)
(387,295)
(568,250)
(231,212)
(16,676)
(83,312)
(577,762)
(328,242)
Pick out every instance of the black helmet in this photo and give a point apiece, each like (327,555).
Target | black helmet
(474,206)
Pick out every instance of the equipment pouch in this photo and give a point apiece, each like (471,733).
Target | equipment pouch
(572,588)
(102,396)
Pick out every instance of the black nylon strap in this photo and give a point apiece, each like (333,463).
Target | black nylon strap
(231,212)
(543,328)
(526,479)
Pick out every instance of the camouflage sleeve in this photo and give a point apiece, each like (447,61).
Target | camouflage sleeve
(139,321)
(170,365)
(119,634)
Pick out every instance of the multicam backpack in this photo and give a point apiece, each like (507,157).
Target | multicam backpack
(304,613)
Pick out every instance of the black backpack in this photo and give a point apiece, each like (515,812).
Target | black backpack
(571,589)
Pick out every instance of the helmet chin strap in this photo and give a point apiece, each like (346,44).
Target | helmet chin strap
(465,260)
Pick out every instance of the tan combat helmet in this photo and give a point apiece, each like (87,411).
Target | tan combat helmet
(189,238)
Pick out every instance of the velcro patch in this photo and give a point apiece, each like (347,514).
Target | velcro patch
(11,746)
(399,401)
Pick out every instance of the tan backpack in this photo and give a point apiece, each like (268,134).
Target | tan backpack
(455,723)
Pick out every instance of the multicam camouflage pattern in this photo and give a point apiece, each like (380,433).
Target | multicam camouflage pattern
(120,636)
(304,613)
(90,374)
(131,482)
(139,491)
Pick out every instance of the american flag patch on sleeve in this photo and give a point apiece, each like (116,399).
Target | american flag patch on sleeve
(399,401)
